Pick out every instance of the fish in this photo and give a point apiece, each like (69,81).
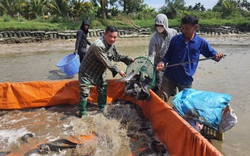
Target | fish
(128,77)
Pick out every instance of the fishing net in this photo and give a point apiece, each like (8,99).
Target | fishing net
(141,75)
(143,67)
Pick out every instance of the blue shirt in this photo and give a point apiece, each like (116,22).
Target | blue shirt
(181,51)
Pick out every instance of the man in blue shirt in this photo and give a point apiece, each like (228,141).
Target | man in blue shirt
(184,47)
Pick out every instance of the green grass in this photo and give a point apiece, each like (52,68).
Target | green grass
(29,25)
(40,24)
(147,23)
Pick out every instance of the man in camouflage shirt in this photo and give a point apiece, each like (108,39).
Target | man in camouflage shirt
(94,65)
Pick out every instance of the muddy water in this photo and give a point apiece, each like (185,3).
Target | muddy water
(119,131)
(230,76)
(40,64)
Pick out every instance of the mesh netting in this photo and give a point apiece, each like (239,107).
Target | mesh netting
(143,67)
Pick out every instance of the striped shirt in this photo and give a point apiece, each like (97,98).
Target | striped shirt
(98,59)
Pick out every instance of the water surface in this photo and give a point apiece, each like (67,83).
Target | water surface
(230,76)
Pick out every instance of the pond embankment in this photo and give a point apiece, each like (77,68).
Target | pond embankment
(7,37)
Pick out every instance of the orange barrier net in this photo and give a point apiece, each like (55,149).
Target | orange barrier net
(178,136)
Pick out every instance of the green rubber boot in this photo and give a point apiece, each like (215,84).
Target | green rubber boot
(102,100)
(102,96)
(82,108)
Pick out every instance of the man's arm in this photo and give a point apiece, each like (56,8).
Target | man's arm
(161,65)
(208,51)
(121,58)
(151,49)
(101,55)
(88,41)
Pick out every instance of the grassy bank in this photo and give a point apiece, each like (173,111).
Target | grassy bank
(48,25)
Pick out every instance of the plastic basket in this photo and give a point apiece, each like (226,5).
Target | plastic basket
(69,64)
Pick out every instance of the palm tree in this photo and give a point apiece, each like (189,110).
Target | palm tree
(9,7)
(76,7)
(36,7)
(88,10)
(104,4)
(59,7)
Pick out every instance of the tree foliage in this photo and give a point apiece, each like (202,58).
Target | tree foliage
(232,8)
(36,8)
(59,7)
(134,9)
(131,6)
(197,7)
(10,7)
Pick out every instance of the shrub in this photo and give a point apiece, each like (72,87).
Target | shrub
(6,18)
(21,19)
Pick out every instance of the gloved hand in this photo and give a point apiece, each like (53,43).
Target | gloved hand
(75,52)
(129,61)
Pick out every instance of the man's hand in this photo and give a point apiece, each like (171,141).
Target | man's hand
(129,61)
(219,56)
(123,74)
(160,66)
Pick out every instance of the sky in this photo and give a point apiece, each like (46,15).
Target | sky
(208,4)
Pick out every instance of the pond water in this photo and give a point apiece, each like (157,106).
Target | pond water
(230,76)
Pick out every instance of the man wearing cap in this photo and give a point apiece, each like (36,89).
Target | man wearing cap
(158,45)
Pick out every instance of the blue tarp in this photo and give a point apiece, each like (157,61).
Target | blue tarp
(203,106)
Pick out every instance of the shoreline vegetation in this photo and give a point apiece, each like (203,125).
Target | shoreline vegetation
(121,22)
(51,18)
(19,36)
(27,31)
(21,30)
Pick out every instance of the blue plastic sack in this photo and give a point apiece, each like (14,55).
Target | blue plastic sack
(203,106)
